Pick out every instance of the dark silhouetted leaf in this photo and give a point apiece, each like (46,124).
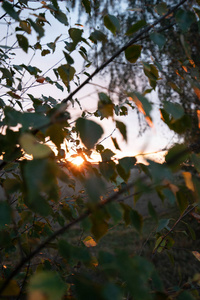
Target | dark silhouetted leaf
(135,27)
(132,53)
(9,9)
(5,214)
(112,23)
(23,42)
(89,131)
(122,128)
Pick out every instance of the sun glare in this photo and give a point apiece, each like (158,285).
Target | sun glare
(78,161)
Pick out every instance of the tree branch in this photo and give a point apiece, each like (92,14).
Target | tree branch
(60,232)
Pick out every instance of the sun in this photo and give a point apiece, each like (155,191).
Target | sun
(78,161)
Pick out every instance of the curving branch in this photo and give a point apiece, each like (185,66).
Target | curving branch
(60,231)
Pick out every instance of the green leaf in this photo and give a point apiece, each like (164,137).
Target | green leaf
(104,98)
(23,42)
(175,109)
(182,199)
(56,134)
(196,161)
(136,220)
(87,5)
(185,296)
(73,254)
(107,169)
(106,155)
(142,103)
(152,73)
(122,128)
(132,53)
(68,58)
(31,146)
(176,155)
(179,126)
(99,225)
(135,27)
(127,163)
(161,8)
(95,187)
(11,290)
(66,73)
(135,272)
(192,232)
(47,283)
(112,291)
(105,106)
(61,17)
(112,23)
(124,167)
(158,39)
(8,7)
(5,214)
(38,28)
(40,184)
(163,223)
(75,35)
(97,35)
(152,211)
(89,131)
(185,19)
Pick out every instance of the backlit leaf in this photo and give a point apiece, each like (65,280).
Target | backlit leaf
(11,290)
(99,226)
(89,242)
(188,180)
(48,283)
(31,146)
(143,104)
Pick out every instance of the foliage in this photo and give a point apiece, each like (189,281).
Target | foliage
(41,257)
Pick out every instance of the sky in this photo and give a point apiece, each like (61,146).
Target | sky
(154,139)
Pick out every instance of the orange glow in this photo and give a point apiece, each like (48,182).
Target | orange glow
(184,68)
(149,121)
(198,116)
(197,91)
(78,161)
(192,63)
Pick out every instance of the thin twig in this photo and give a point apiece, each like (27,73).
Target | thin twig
(182,216)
